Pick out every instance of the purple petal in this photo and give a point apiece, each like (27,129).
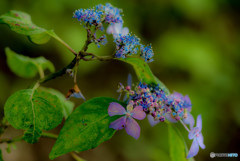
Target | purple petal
(118,124)
(187,103)
(116,109)
(152,121)
(179,95)
(200,141)
(199,122)
(193,133)
(138,113)
(189,120)
(170,118)
(194,149)
(132,128)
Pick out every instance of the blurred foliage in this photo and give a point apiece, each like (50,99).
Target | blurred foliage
(196,45)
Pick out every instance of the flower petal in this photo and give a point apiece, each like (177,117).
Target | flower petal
(152,121)
(116,109)
(187,103)
(110,29)
(189,120)
(118,124)
(132,128)
(194,131)
(176,94)
(200,141)
(194,149)
(170,118)
(138,113)
(199,122)
(125,31)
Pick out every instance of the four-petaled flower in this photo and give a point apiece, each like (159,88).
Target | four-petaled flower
(197,137)
(126,121)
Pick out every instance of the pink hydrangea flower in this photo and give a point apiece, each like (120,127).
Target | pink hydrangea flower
(126,121)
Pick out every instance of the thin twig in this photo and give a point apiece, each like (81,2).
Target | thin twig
(11,140)
(184,125)
(76,157)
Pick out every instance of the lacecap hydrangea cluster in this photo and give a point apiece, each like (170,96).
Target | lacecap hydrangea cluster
(127,44)
(151,101)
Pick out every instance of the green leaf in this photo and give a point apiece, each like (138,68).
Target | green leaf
(144,72)
(27,67)
(85,128)
(1,158)
(21,23)
(32,135)
(33,110)
(177,144)
(67,105)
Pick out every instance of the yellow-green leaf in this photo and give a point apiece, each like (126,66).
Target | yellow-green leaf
(144,72)
(27,67)
(21,23)
(33,110)
(176,143)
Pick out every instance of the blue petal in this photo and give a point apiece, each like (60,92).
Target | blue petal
(189,120)
(194,149)
(199,122)
(193,133)
(152,121)
(200,141)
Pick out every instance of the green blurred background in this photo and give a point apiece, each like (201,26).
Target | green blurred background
(196,45)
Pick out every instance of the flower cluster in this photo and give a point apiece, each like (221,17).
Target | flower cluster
(112,15)
(159,107)
(89,17)
(147,53)
(126,45)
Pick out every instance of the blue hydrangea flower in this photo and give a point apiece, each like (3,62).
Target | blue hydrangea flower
(126,45)
(112,14)
(147,53)
(90,17)
(196,135)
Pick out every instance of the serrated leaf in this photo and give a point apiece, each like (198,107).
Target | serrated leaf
(177,144)
(66,104)
(33,110)
(144,72)
(85,128)
(27,67)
